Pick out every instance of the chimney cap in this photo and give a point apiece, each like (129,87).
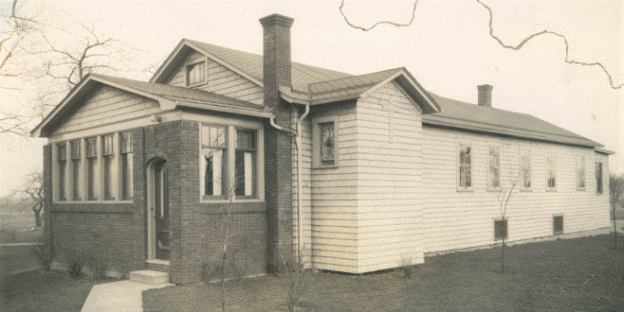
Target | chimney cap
(276,19)
(485,87)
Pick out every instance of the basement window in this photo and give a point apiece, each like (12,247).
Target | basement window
(500,229)
(196,74)
(557,225)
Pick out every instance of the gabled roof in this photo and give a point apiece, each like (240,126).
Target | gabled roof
(461,115)
(168,97)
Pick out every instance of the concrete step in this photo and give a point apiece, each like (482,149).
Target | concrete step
(149,277)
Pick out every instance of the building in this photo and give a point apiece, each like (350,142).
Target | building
(374,168)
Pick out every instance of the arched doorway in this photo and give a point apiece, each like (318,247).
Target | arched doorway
(158,210)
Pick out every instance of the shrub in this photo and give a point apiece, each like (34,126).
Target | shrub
(405,266)
(74,263)
(297,280)
(98,267)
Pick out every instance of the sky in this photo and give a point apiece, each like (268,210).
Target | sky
(447,48)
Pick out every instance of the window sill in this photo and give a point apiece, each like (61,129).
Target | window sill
(494,189)
(552,189)
(526,190)
(325,167)
(580,189)
(74,202)
(225,201)
(461,189)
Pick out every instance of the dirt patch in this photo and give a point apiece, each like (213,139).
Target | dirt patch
(582,274)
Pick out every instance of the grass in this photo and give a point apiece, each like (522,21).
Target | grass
(582,274)
(45,291)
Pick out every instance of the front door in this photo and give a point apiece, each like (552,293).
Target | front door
(160,210)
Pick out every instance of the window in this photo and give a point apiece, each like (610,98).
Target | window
(75,159)
(245,163)
(551,181)
(494,168)
(126,142)
(196,73)
(213,160)
(109,168)
(465,161)
(580,172)
(599,177)
(500,229)
(61,149)
(92,168)
(325,142)
(557,225)
(525,168)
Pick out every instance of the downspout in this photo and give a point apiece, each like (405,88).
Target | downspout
(297,135)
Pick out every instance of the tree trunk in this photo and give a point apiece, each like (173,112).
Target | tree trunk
(614,228)
(38,222)
(503,257)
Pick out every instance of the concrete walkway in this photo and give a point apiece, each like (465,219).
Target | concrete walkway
(117,296)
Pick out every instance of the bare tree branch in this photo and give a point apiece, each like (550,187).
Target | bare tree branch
(378,23)
(500,42)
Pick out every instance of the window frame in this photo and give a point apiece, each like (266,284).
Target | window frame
(114,168)
(92,177)
(547,164)
(125,186)
(254,173)
(77,164)
(460,145)
(505,222)
(231,126)
(581,168)
(554,224)
(490,186)
(599,178)
(225,179)
(60,190)
(525,152)
(188,66)
(317,162)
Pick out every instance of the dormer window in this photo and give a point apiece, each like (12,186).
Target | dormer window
(196,74)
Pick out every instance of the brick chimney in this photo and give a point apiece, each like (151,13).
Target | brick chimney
(276,56)
(277,143)
(485,95)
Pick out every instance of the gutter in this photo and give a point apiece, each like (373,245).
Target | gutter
(297,135)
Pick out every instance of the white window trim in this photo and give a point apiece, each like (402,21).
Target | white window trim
(491,188)
(554,159)
(316,139)
(231,127)
(531,182)
(83,187)
(461,188)
(191,63)
(581,161)
(494,228)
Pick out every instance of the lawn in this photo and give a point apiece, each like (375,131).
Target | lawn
(582,274)
(45,291)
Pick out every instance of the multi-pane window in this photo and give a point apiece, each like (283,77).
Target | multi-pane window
(75,159)
(599,177)
(61,159)
(494,168)
(195,73)
(327,143)
(92,168)
(125,140)
(465,166)
(580,172)
(245,162)
(525,168)
(213,160)
(500,229)
(551,181)
(108,153)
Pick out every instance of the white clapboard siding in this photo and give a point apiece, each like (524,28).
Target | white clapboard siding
(108,105)
(389,177)
(330,206)
(221,80)
(455,219)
